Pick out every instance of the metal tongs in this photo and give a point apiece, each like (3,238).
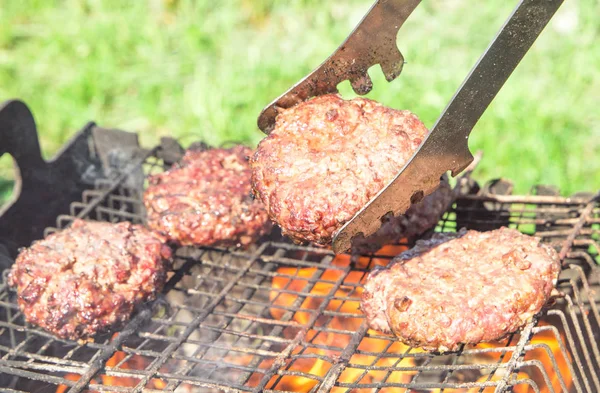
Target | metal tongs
(445,149)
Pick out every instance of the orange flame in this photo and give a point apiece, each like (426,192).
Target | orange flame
(133,363)
(290,282)
(543,339)
(287,288)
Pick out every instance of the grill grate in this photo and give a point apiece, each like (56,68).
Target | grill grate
(281,317)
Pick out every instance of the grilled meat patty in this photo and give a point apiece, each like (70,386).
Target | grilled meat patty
(90,277)
(207,199)
(326,158)
(417,220)
(464,287)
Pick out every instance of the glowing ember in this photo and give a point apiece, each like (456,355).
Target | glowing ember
(135,362)
(296,294)
(290,282)
(538,343)
(345,300)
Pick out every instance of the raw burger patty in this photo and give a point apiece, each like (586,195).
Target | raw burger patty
(326,158)
(207,199)
(417,220)
(464,287)
(90,277)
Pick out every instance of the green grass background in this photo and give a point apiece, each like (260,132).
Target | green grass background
(203,70)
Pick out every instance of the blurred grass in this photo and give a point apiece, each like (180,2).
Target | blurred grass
(203,70)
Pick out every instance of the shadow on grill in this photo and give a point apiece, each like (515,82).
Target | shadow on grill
(282,317)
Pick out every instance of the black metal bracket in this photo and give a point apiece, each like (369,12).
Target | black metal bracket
(45,189)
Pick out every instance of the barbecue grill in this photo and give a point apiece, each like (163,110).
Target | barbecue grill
(278,316)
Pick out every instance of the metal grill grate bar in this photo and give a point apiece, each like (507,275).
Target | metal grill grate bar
(99,360)
(190,329)
(248,320)
(563,352)
(279,361)
(218,332)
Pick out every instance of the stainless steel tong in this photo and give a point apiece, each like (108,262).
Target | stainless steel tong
(445,149)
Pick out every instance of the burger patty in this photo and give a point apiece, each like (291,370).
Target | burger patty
(207,199)
(461,288)
(417,220)
(90,277)
(326,158)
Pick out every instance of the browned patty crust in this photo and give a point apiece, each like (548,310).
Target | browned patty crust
(417,220)
(90,277)
(461,288)
(207,199)
(326,158)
